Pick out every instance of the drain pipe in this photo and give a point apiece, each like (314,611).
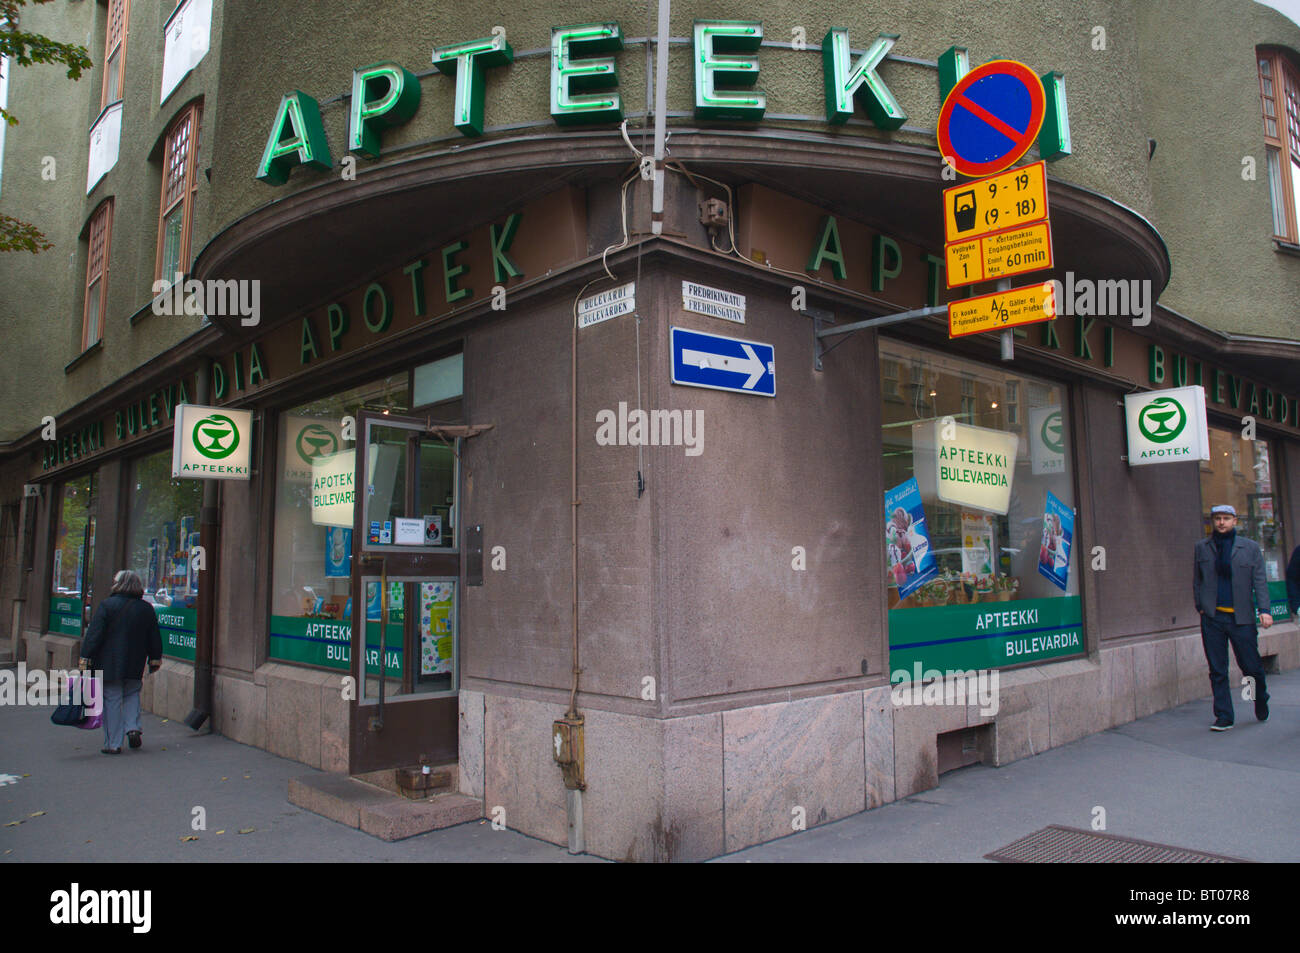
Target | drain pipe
(661,118)
(210,540)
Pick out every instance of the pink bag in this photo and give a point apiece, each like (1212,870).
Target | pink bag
(90,692)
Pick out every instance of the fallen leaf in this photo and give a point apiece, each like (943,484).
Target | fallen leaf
(13,823)
(165,747)
(191,837)
(37,814)
(225,779)
(165,720)
(220,832)
(247,830)
(28,775)
(9,851)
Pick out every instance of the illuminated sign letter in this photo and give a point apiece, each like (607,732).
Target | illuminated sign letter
(843,81)
(568,76)
(467,62)
(372,110)
(297,136)
(716,44)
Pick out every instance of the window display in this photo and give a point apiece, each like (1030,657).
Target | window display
(162,529)
(311,594)
(979,517)
(1239,473)
(74,549)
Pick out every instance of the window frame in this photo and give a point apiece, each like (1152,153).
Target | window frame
(193,114)
(115,45)
(104,215)
(1283,142)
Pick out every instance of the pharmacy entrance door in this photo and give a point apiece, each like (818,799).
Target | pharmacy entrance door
(406,584)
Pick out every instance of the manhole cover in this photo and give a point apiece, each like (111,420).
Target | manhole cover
(1055,844)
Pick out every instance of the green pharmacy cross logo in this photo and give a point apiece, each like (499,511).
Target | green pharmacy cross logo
(312,441)
(1162,420)
(1051,433)
(221,436)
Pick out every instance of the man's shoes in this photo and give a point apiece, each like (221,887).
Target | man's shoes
(133,737)
(1221,724)
(110,750)
(1261,709)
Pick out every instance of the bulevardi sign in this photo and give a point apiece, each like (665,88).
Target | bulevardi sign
(1167,426)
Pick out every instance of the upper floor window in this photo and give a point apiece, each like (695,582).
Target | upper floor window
(176,212)
(92,323)
(114,51)
(1279,87)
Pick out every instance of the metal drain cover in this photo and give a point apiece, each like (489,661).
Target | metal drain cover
(1055,844)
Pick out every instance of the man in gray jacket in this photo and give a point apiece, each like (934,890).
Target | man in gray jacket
(1228,583)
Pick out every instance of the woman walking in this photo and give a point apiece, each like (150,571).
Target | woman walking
(123,635)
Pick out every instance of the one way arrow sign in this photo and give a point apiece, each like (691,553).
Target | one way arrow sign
(722,363)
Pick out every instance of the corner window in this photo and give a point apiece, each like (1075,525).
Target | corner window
(311,561)
(92,321)
(175,220)
(979,518)
(1279,87)
(114,52)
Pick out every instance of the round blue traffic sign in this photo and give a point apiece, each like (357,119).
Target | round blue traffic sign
(991,118)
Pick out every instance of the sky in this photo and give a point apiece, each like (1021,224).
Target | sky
(1290,7)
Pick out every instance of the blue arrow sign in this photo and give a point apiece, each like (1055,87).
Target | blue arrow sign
(721,363)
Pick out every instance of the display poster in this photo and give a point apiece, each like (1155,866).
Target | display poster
(437,627)
(907,542)
(977,544)
(1058,532)
(338,551)
(433,530)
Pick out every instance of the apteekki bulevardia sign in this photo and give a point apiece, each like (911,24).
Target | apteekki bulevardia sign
(985,634)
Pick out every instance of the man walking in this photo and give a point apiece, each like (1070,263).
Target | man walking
(1228,571)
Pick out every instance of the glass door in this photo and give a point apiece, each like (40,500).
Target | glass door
(405,644)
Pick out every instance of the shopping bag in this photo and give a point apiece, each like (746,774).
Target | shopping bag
(92,698)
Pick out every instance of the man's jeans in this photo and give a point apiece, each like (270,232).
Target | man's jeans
(1216,632)
(122,710)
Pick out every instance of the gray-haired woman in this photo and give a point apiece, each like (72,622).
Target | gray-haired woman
(123,635)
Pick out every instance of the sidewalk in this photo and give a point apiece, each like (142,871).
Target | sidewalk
(1165,778)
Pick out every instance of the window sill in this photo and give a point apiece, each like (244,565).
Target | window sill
(83,356)
(1286,248)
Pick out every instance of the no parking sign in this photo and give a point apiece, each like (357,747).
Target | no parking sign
(991,118)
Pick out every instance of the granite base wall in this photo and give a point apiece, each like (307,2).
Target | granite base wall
(693,787)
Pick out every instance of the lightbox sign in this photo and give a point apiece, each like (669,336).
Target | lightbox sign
(975,466)
(212,443)
(1167,426)
(333,489)
(1046,440)
(584,89)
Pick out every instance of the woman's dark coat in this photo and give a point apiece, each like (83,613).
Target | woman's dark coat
(123,635)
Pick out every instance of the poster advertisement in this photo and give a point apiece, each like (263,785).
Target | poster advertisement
(977,544)
(907,543)
(437,627)
(1058,531)
(338,551)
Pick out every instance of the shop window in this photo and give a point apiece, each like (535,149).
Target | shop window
(311,564)
(979,521)
(92,319)
(1240,474)
(115,52)
(74,553)
(162,529)
(176,208)
(1279,87)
